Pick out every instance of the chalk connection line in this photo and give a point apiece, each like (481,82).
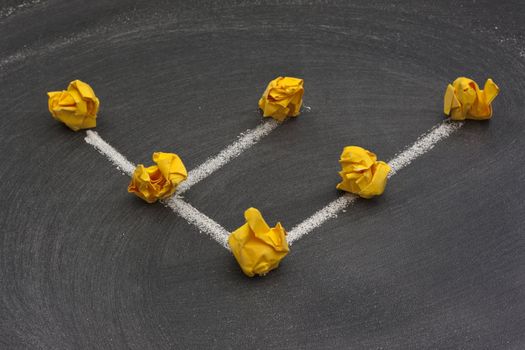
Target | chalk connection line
(423,144)
(185,210)
(114,156)
(246,140)
(195,217)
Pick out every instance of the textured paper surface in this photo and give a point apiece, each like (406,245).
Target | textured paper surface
(282,98)
(361,173)
(257,247)
(465,100)
(77,107)
(158,181)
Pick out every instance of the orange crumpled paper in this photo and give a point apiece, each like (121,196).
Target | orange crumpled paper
(464,99)
(257,247)
(362,173)
(282,98)
(77,107)
(158,181)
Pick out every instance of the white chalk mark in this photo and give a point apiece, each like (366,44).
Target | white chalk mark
(202,222)
(245,141)
(319,218)
(13,58)
(94,139)
(8,11)
(185,210)
(423,144)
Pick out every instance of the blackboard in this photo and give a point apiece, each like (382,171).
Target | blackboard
(437,261)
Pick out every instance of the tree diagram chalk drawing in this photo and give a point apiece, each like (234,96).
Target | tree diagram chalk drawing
(246,140)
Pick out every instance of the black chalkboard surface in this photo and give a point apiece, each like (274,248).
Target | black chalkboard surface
(437,261)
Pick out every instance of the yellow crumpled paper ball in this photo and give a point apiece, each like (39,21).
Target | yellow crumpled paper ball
(257,247)
(76,107)
(158,181)
(361,173)
(464,99)
(282,98)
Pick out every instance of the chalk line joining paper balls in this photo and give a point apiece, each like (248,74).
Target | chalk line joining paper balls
(245,141)
(422,145)
(320,217)
(210,227)
(94,139)
(195,217)
(185,210)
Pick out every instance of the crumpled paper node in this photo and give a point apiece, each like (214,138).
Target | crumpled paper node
(282,98)
(465,100)
(257,247)
(362,173)
(158,181)
(77,107)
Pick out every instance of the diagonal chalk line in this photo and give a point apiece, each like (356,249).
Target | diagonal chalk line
(245,141)
(422,145)
(320,217)
(199,220)
(183,209)
(114,156)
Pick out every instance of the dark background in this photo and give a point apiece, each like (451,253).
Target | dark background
(438,261)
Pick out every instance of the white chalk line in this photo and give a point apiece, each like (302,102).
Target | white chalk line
(422,145)
(195,217)
(114,156)
(320,217)
(245,141)
(185,210)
